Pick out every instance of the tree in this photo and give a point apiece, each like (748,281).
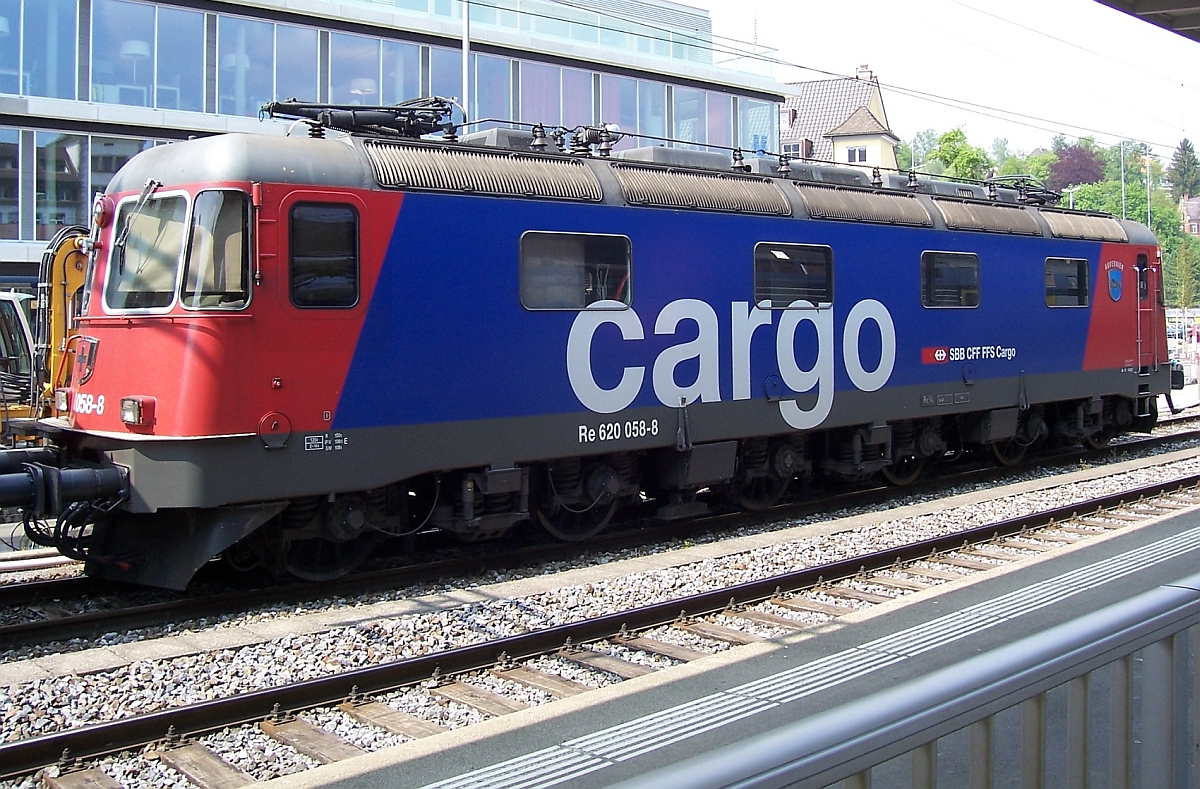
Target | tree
(960,157)
(1001,153)
(923,143)
(1075,165)
(1184,172)
(1035,164)
(1186,275)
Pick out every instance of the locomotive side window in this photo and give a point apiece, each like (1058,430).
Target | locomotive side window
(786,273)
(949,279)
(324,255)
(1066,282)
(1143,270)
(569,271)
(142,271)
(217,271)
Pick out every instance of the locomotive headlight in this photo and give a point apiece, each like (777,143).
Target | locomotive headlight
(62,400)
(137,410)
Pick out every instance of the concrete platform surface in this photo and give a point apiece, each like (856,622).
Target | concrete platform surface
(611,734)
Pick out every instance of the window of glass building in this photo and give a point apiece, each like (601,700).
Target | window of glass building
(353,69)
(61,182)
(720,120)
(577,104)
(401,72)
(619,105)
(756,124)
(245,65)
(48,48)
(445,74)
(179,84)
(123,53)
(10,47)
(10,183)
(616,34)
(689,113)
(541,91)
(109,154)
(493,89)
(652,111)
(295,63)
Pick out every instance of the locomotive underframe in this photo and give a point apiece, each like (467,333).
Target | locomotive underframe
(480,478)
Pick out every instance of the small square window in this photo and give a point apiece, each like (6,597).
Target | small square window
(862,154)
(1066,282)
(786,273)
(949,279)
(569,271)
(851,155)
(324,255)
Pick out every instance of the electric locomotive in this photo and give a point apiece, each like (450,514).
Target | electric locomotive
(286,350)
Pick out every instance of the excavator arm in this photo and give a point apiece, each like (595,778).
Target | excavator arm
(61,279)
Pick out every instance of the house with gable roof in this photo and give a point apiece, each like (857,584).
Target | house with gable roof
(839,120)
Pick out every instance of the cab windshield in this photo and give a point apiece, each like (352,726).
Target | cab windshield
(217,272)
(142,272)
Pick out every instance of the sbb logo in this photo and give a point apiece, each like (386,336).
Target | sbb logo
(935,355)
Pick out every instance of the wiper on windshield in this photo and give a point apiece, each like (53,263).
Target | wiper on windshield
(147,190)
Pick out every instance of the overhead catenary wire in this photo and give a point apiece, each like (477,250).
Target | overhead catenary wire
(1049,125)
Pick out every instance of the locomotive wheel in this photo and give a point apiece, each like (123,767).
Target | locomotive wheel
(1010,452)
(760,493)
(1100,440)
(904,471)
(325,560)
(570,525)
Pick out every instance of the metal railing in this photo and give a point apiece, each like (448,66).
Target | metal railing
(1142,652)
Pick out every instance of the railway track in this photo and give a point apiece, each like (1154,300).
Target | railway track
(49,603)
(827,590)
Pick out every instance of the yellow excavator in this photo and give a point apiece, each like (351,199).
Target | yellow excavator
(36,333)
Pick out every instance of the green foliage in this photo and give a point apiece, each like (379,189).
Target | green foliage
(904,156)
(960,157)
(1001,153)
(952,153)
(1181,274)
(922,145)
(1037,165)
(1184,172)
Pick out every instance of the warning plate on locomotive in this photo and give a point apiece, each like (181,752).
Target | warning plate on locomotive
(323,442)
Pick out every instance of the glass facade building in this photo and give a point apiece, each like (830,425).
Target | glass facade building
(102,79)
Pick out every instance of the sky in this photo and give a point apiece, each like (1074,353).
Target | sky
(1036,67)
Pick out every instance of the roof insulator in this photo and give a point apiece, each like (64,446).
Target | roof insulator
(876,178)
(539,138)
(912,180)
(785,169)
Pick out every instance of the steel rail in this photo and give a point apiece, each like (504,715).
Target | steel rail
(136,617)
(26,756)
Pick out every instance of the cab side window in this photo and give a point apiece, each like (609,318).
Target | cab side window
(323,239)
(949,279)
(571,271)
(787,273)
(1066,282)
